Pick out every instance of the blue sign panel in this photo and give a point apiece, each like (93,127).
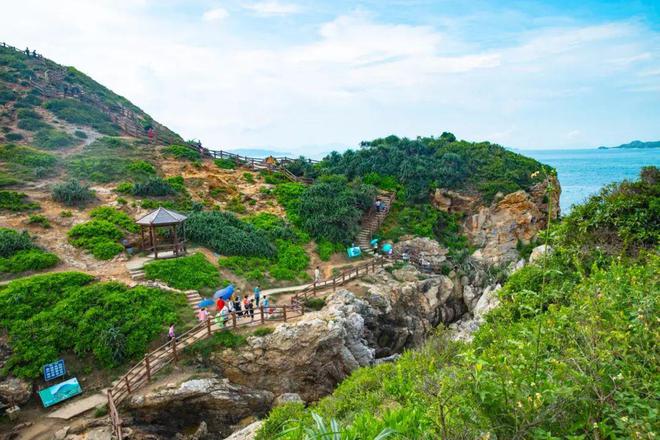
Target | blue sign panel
(54,370)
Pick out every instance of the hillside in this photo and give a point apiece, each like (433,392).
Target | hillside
(45,103)
(78,166)
(635,144)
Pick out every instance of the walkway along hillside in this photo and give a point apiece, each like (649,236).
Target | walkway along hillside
(156,360)
(272,164)
(373,220)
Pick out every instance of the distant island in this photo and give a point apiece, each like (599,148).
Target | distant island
(635,144)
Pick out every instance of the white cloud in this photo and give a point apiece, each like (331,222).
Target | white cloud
(215,14)
(356,78)
(272,7)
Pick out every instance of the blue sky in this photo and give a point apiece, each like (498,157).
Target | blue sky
(310,76)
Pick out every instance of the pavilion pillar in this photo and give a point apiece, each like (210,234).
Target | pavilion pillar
(153,241)
(176,241)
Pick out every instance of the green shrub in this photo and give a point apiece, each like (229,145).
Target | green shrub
(182,152)
(263,331)
(28,260)
(64,312)
(192,272)
(12,137)
(289,195)
(80,134)
(77,112)
(235,205)
(331,209)
(218,341)
(15,201)
(25,113)
(125,188)
(106,249)
(227,235)
(140,169)
(225,164)
(38,219)
(66,214)
(12,242)
(6,95)
(99,237)
(154,187)
(33,124)
(325,249)
(52,139)
(110,159)
(248,177)
(72,193)
(315,303)
(114,216)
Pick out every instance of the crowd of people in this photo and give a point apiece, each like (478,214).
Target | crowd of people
(242,306)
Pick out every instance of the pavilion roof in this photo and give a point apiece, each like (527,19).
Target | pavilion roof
(161,216)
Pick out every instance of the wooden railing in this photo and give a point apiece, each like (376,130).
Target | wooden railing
(298,300)
(170,352)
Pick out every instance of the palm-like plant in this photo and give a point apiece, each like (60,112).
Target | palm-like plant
(331,431)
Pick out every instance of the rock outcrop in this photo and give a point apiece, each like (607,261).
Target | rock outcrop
(14,391)
(217,402)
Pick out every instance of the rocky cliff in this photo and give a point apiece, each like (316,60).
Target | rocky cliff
(497,228)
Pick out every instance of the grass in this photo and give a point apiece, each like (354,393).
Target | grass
(218,341)
(26,163)
(77,112)
(52,139)
(182,152)
(192,272)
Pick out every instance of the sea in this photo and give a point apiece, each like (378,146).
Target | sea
(583,173)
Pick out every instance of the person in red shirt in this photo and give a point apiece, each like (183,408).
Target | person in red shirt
(220,304)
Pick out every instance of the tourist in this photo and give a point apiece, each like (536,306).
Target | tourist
(257,294)
(170,334)
(317,274)
(237,306)
(266,305)
(219,320)
(245,303)
(250,308)
(203,314)
(220,304)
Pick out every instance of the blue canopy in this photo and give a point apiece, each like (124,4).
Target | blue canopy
(225,293)
(354,252)
(205,302)
(387,247)
(374,242)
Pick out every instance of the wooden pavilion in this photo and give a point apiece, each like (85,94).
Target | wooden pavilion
(173,247)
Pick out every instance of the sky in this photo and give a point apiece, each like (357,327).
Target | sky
(309,76)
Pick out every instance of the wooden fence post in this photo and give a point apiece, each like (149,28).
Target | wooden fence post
(314,287)
(128,384)
(147,367)
(208,326)
(343,277)
(334,284)
(284,313)
(261,311)
(233,319)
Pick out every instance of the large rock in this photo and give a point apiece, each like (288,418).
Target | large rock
(14,391)
(451,201)
(539,251)
(217,402)
(247,433)
(423,248)
(308,357)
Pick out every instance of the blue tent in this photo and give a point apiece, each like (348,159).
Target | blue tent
(387,247)
(225,293)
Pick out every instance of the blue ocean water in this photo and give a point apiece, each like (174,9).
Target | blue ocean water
(583,172)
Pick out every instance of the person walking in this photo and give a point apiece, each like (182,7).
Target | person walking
(203,314)
(317,274)
(219,305)
(250,308)
(257,294)
(170,334)
(245,304)
(237,306)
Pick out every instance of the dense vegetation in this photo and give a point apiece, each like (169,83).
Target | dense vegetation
(423,164)
(51,139)
(100,236)
(182,152)
(49,315)
(15,201)
(225,234)
(19,254)
(191,272)
(570,352)
(77,112)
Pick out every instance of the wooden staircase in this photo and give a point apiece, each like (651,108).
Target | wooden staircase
(372,220)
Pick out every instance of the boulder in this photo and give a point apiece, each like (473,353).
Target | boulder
(539,251)
(285,398)
(14,391)
(217,402)
(247,433)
